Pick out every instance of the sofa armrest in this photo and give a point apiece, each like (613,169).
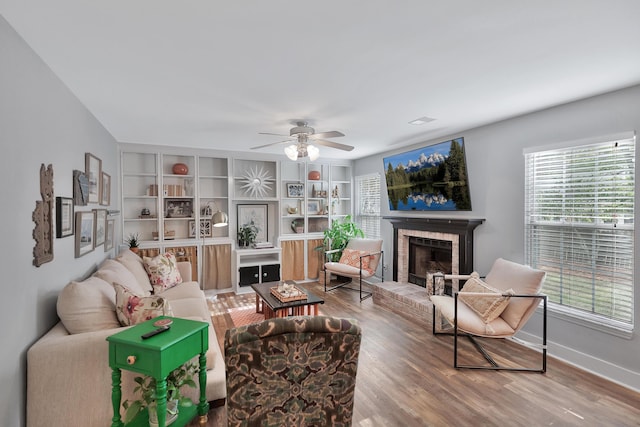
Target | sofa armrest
(63,368)
(184,267)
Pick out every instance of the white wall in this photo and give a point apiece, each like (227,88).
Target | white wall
(40,122)
(496,178)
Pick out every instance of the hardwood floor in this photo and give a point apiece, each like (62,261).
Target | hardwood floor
(406,378)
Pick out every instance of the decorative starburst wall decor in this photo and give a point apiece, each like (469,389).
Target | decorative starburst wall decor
(257,182)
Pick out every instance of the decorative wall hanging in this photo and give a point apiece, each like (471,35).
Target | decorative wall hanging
(64,217)
(80,188)
(43,230)
(256,182)
(93,170)
(105,193)
(84,233)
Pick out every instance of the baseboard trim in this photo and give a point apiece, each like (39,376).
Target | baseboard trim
(593,365)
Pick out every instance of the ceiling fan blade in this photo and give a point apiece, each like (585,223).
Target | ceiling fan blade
(330,134)
(273,143)
(269,133)
(332,144)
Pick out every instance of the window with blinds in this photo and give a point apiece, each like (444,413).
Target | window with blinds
(368,204)
(579,213)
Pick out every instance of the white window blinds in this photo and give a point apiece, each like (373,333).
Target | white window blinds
(368,204)
(579,213)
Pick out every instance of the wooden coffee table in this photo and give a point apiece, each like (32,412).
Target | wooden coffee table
(271,306)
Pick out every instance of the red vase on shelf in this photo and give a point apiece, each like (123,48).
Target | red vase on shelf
(180,169)
(314,175)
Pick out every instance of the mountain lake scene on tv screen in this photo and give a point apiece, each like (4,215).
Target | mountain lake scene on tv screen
(429,178)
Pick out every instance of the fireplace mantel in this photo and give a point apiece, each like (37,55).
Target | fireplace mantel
(463,227)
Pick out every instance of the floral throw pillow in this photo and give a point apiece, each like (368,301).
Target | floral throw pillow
(352,257)
(132,309)
(163,272)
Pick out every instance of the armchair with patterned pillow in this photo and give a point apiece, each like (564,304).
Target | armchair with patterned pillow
(359,260)
(496,307)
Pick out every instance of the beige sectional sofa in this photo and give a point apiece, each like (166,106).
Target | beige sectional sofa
(68,373)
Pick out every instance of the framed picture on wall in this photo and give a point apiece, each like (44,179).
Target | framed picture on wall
(93,170)
(105,193)
(64,217)
(100,226)
(258,214)
(80,188)
(84,232)
(110,235)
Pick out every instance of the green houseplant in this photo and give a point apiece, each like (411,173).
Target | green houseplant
(146,386)
(133,241)
(338,235)
(247,234)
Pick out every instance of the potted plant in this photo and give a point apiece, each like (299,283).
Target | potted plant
(146,386)
(336,238)
(134,242)
(247,234)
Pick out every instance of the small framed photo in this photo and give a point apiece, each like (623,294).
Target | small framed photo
(205,228)
(64,217)
(108,241)
(105,193)
(313,207)
(84,232)
(178,208)
(93,170)
(295,189)
(100,226)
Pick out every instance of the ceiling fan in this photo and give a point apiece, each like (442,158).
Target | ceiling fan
(305,135)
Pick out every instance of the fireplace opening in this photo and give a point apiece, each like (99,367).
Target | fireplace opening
(428,255)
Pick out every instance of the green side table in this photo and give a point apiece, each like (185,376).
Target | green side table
(157,357)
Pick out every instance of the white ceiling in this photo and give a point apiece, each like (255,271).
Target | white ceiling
(212,74)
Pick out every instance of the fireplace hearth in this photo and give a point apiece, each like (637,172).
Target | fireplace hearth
(423,245)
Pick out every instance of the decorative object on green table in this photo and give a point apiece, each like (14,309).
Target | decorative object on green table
(247,234)
(134,242)
(337,236)
(146,386)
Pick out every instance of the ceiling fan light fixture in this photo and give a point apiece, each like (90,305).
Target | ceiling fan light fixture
(313,152)
(291,151)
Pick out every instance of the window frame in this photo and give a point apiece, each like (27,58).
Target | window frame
(532,221)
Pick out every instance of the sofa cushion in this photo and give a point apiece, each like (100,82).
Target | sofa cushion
(523,279)
(183,290)
(163,271)
(352,257)
(468,320)
(132,309)
(114,272)
(87,306)
(488,306)
(135,265)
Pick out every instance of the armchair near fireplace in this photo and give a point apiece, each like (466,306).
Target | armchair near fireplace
(359,260)
(496,307)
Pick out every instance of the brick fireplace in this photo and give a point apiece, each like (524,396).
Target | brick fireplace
(431,244)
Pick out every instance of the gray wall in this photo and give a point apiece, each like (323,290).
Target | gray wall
(40,122)
(496,172)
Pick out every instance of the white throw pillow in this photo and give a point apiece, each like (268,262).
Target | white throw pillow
(135,265)
(112,272)
(87,306)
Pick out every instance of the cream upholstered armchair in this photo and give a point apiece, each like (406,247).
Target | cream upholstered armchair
(359,260)
(496,307)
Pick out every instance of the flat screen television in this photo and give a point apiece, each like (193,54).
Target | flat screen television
(432,178)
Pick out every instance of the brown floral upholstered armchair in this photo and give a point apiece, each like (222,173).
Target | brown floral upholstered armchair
(293,371)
